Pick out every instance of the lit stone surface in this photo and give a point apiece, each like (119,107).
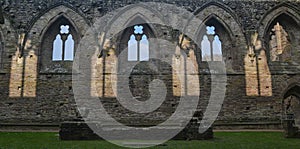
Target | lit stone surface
(35,90)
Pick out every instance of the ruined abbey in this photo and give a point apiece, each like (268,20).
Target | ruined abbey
(258,41)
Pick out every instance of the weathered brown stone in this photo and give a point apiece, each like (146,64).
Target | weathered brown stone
(36,90)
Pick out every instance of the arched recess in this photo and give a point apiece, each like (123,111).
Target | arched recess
(131,15)
(291,103)
(229,30)
(43,30)
(129,32)
(213,29)
(58,57)
(293,89)
(33,47)
(280,28)
(114,39)
(138,30)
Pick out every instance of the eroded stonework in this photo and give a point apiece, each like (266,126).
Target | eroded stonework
(35,90)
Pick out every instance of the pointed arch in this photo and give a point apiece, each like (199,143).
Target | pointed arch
(138,19)
(292,90)
(121,28)
(57,53)
(291,103)
(228,29)
(224,16)
(42,23)
(144,44)
(217,36)
(272,14)
(219,5)
(51,19)
(131,14)
(219,23)
(280,28)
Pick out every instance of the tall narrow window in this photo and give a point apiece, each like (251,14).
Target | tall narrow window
(138,45)
(63,45)
(211,45)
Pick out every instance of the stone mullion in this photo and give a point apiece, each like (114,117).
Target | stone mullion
(138,38)
(64,39)
(211,39)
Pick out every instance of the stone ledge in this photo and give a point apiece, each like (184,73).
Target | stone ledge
(81,131)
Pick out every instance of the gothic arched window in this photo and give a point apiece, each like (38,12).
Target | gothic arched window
(58,46)
(211,46)
(63,45)
(138,45)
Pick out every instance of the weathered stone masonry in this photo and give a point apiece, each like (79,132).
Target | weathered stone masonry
(35,90)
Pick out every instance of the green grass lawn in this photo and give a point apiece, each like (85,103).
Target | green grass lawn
(223,140)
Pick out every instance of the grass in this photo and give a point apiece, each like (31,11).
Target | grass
(223,140)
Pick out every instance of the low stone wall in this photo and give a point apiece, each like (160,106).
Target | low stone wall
(81,131)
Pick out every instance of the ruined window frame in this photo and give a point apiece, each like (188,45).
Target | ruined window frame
(46,64)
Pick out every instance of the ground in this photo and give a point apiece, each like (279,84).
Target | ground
(224,140)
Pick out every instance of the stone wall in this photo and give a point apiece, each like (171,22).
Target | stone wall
(32,91)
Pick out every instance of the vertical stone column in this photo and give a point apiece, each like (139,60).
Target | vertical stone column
(211,40)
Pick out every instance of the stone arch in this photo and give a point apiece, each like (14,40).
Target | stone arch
(41,26)
(223,14)
(289,19)
(272,14)
(46,63)
(110,37)
(224,17)
(292,89)
(291,103)
(38,29)
(136,88)
(32,46)
(123,37)
(125,17)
